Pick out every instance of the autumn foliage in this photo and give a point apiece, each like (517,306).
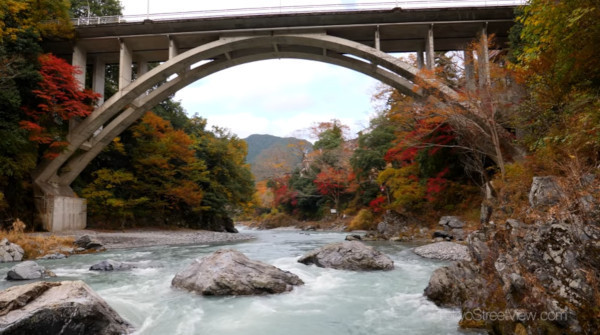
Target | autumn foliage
(58,100)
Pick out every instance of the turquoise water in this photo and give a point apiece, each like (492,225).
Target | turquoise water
(330,302)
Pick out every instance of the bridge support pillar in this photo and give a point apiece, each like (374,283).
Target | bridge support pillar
(142,67)
(483,58)
(125,62)
(420,60)
(469,69)
(80,62)
(98,79)
(429,49)
(173,50)
(59,208)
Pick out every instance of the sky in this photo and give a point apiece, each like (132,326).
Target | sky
(277,97)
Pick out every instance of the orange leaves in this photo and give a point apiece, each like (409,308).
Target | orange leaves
(333,182)
(188,192)
(168,162)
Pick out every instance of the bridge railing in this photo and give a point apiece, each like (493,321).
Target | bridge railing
(321,8)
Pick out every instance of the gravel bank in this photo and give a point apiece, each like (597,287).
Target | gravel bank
(147,238)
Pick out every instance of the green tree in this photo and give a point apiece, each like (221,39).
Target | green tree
(229,184)
(95,8)
(368,159)
(112,196)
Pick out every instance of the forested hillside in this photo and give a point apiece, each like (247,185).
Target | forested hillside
(272,156)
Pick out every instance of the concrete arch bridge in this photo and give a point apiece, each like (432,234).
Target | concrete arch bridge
(193,48)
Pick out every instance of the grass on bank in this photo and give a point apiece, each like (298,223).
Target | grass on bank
(35,246)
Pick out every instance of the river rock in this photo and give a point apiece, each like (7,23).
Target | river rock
(450,286)
(451,222)
(55,255)
(10,252)
(68,307)
(86,242)
(110,265)
(28,270)
(549,266)
(442,234)
(392,224)
(348,255)
(448,251)
(229,272)
(545,191)
(353,237)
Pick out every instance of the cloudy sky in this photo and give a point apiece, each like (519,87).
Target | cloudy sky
(277,97)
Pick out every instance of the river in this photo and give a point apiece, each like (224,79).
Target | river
(331,301)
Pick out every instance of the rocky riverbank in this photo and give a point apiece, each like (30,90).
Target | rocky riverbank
(537,275)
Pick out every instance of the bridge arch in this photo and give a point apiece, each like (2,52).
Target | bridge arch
(53,178)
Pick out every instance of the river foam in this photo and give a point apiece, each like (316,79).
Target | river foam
(330,302)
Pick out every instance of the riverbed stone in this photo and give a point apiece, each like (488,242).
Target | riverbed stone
(353,237)
(85,242)
(448,251)
(10,252)
(229,272)
(54,255)
(348,255)
(443,235)
(451,222)
(111,265)
(28,270)
(450,286)
(393,224)
(68,307)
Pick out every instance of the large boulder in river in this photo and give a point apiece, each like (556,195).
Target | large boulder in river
(348,255)
(69,307)
(229,272)
(28,270)
(10,252)
(450,286)
(448,251)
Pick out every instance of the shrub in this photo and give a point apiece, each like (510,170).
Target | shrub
(364,220)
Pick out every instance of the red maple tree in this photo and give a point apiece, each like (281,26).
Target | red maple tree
(334,183)
(58,100)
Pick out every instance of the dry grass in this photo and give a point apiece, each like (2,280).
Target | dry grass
(35,246)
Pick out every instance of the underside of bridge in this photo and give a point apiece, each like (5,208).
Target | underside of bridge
(59,206)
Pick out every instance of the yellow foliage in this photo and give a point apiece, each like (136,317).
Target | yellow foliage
(47,18)
(403,185)
(363,221)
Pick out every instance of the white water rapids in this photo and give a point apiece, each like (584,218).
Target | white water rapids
(331,301)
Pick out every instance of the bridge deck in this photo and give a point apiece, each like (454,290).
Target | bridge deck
(400,30)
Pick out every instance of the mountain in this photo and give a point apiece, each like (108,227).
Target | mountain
(272,156)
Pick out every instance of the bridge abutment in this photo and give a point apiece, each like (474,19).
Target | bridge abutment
(59,208)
